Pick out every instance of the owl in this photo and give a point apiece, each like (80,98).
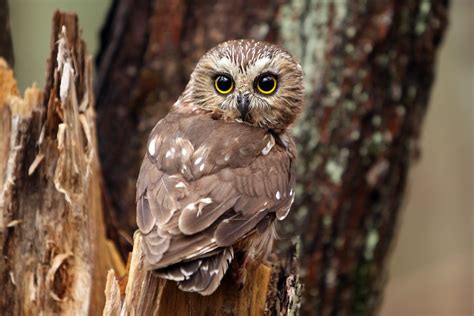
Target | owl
(220,167)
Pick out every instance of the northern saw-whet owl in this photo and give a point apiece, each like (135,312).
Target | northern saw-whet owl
(220,167)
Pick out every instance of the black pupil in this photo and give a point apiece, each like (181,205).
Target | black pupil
(267,83)
(224,83)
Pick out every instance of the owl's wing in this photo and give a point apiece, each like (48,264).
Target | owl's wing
(203,186)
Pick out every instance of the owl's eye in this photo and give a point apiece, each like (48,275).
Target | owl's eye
(224,84)
(266,84)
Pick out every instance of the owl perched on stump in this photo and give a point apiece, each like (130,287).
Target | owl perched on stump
(220,167)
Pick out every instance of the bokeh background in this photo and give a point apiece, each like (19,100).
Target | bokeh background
(431,265)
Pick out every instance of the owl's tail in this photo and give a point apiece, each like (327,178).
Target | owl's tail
(202,275)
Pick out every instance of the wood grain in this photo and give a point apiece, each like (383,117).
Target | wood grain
(54,254)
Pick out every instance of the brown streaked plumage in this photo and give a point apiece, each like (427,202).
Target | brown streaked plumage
(219,167)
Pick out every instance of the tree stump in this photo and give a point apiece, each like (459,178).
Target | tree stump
(52,233)
(266,292)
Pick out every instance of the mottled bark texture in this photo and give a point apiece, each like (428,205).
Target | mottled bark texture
(369,69)
(6,46)
(54,255)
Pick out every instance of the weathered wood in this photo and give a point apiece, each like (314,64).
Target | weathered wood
(285,288)
(147,294)
(54,255)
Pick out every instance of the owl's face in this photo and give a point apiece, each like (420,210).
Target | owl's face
(256,83)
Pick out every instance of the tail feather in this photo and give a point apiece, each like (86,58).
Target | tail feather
(201,275)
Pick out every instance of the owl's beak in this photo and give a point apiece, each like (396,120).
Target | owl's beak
(243,103)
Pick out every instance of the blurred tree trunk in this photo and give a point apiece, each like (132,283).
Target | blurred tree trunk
(6,47)
(368,73)
(54,254)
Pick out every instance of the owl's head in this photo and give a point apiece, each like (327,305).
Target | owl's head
(257,83)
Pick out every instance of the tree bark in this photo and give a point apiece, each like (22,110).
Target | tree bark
(6,45)
(54,254)
(369,67)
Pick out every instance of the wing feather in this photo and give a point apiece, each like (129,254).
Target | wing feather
(199,193)
(233,229)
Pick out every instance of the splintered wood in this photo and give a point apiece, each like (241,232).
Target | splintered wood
(55,255)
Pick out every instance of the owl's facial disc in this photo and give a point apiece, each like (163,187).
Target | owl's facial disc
(252,82)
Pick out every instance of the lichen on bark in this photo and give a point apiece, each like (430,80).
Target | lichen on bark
(367,89)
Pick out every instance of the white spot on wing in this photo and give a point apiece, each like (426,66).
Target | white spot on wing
(198,161)
(207,200)
(180,185)
(151,147)
(269,146)
(183,151)
(201,168)
(278,195)
(200,204)
(168,154)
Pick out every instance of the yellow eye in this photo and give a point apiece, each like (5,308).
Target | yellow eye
(224,84)
(266,84)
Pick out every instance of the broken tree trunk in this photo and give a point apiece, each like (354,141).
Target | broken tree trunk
(54,254)
(369,66)
(266,292)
